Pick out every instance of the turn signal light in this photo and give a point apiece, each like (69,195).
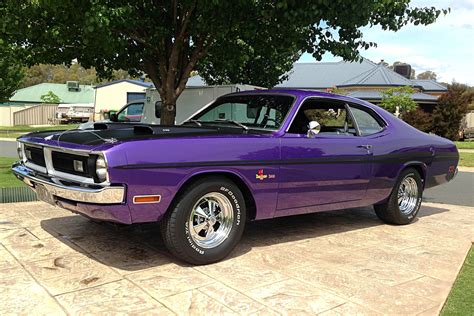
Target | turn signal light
(146,199)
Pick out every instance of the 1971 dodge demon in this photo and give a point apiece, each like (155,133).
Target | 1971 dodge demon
(247,156)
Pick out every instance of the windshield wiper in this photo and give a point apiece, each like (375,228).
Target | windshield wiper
(233,122)
(193,121)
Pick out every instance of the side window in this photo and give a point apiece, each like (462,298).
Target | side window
(366,122)
(132,113)
(331,115)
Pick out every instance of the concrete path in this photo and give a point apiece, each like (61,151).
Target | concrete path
(8,149)
(344,262)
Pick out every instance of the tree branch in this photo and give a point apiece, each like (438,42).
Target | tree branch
(197,53)
(178,43)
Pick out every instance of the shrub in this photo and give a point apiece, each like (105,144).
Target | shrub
(400,97)
(50,98)
(419,119)
(451,109)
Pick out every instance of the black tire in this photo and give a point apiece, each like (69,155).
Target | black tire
(175,227)
(390,211)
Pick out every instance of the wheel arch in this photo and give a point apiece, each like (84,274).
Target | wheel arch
(235,177)
(419,166)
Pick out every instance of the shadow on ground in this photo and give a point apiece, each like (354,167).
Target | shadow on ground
(139,246)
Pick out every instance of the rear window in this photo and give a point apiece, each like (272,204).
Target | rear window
(367,122)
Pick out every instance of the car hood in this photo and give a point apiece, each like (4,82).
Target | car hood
(108,134)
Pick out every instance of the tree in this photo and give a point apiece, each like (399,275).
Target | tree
(244,40)
(419,119)
(452,107)
(61,73)
(399,98)
(11,73)
(427,75)
(50,98)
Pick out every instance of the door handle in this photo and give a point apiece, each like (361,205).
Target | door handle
(366,147)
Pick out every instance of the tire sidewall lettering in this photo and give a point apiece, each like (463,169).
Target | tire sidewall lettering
(235,202)
(191,242)
(237,221)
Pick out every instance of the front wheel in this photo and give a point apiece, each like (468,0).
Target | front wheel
(207,221)
(405,200)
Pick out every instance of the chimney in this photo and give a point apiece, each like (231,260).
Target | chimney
(403,69)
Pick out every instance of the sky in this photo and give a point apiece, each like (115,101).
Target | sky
(445,47)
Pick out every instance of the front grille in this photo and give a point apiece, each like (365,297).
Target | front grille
(35,155)
(65,163)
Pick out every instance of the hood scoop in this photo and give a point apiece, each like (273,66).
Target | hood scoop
(106,125)
(143,130)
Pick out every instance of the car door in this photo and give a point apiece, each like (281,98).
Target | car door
(329,171)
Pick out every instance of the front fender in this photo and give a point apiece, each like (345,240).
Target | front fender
(263,194)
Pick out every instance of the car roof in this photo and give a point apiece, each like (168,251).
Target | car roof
(304,94)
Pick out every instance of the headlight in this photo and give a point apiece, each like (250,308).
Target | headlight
(19,150)
(101,169)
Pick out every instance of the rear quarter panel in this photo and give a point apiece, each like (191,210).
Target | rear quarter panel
(401,146)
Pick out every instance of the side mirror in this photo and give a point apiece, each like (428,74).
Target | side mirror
(113,117)
(313,129)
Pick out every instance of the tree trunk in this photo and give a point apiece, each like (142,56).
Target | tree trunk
(168,112)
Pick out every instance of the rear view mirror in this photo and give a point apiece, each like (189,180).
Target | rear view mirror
(113,117)
(313,129)
(158,109)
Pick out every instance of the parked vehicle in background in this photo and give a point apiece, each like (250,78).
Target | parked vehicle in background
(132,112)
(191,100)
(74,113)
(247,156)
(148,110)
(467,130)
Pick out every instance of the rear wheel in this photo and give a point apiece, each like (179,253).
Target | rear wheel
(405,200)
(207,221)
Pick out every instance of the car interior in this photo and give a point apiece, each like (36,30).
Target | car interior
(331,115)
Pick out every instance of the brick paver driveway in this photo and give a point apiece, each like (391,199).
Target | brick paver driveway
(53,262)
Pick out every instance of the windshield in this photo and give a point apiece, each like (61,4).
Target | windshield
(260,111)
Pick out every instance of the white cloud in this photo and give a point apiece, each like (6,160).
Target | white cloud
(445,47)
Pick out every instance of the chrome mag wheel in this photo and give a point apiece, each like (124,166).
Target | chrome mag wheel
(211,220)
(407,195)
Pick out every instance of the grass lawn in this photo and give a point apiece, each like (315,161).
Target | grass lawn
(465,145)
(461,298)
(7,179)
(466,159)
(17,131)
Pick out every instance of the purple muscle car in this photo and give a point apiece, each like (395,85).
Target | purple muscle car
(247,156)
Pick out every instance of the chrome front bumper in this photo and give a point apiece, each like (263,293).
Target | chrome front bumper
(54,187)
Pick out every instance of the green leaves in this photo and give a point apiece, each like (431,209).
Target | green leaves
(242,41)
(450,110)
(50,98)
(399,98)
(11,73)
